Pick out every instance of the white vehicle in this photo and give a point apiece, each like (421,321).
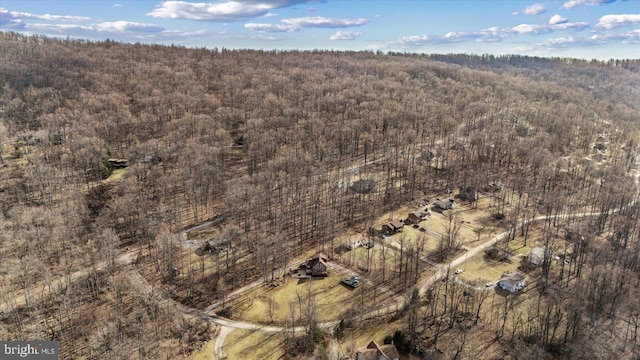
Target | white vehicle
(488,285)
(459,271)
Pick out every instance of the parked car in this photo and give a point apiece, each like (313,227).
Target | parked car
(353,281)
(459,271)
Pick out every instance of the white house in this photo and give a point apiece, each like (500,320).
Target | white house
(512,282)
(445,204)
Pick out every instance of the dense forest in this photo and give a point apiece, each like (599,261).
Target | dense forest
(267,145)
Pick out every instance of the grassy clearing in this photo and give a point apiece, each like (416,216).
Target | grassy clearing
(480,269)
(116,175)
(252,344)
(439,222)
(357,259)
(207,352)
(411,237)
(332,299)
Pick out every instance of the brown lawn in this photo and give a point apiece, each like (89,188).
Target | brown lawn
(332,300)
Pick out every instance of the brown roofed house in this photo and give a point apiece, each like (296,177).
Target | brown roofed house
(392,227)
(376,352)
(316,266)
(417,216)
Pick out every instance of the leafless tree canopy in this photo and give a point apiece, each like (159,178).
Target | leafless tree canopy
(283,151)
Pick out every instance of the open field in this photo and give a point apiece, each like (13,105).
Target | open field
(332,299)
(480,269)
(253,344)
(116,175)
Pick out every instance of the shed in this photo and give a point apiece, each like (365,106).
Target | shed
(536,255)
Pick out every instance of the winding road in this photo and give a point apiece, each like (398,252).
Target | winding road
(400,300)
(226,326)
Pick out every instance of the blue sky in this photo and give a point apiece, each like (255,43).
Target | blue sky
(601,29)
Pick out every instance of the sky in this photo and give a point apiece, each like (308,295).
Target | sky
(586,29)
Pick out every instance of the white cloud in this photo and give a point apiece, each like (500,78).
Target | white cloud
(492,34)
(546,28)
(219,11)
(70,29)
(117,5)
(560,42)
(116,27)
(557,19)
(530,29)
(270,27)
(414,40)
(571,4)
(534,9)
(127,27)
(13,24)
(323,22)
(265,38)
(174,34)
(614,21)
(568,26)
(120,30)
(270,14)
(345,35)
(631,37)
(295,24)
(16,15)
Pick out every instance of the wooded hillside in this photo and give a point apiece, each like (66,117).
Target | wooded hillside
(268,144)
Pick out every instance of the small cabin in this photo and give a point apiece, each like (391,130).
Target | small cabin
(118,163)
(536,255)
